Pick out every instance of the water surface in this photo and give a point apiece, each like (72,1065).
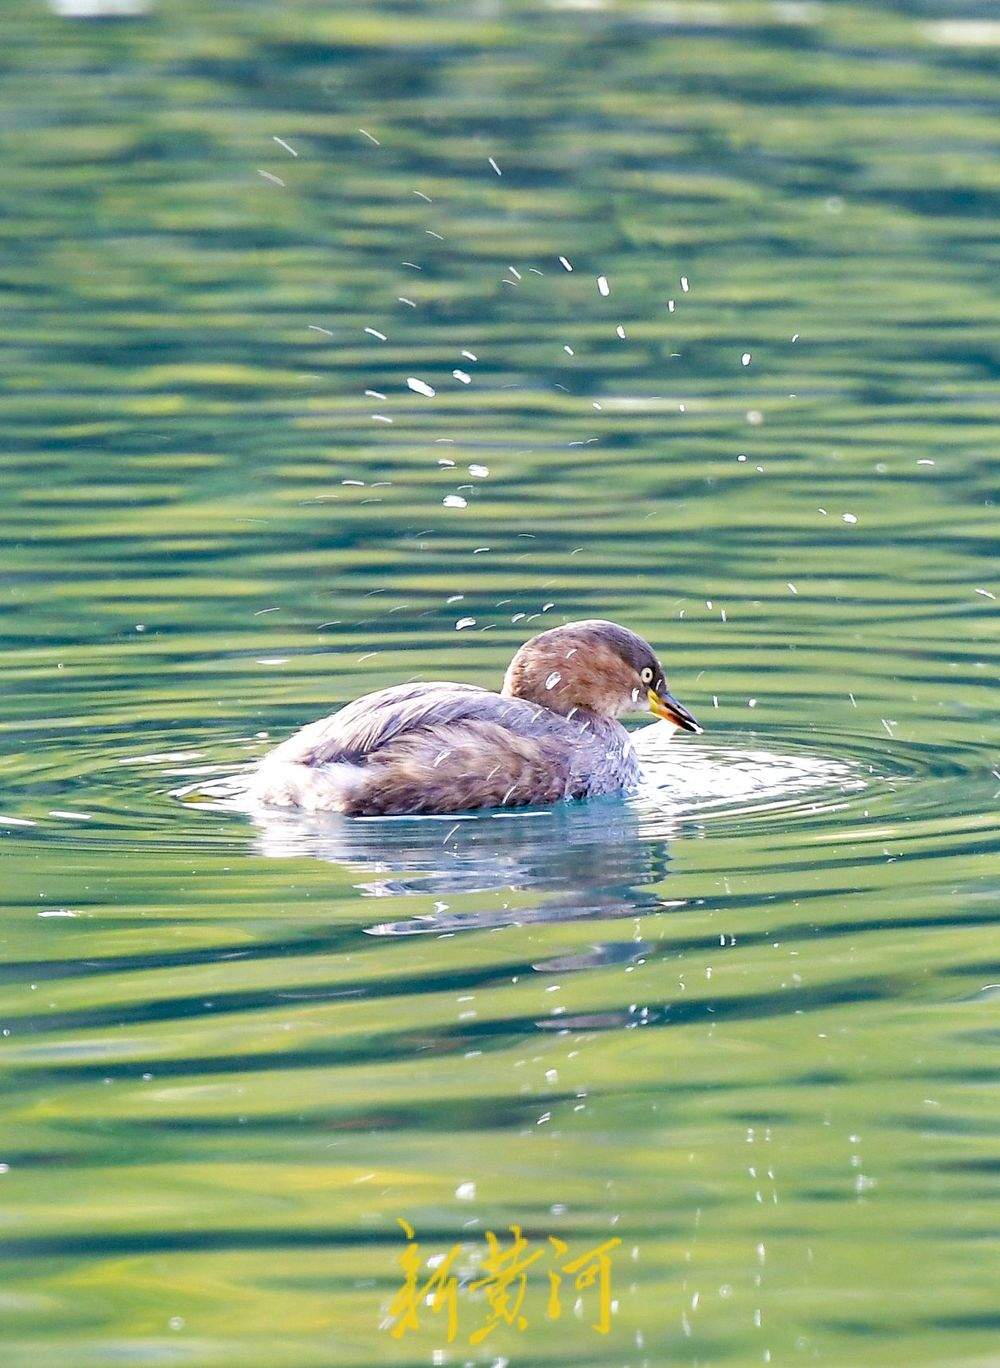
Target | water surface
(744,1019)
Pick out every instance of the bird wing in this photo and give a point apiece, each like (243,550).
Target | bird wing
(369,724)
(466,763)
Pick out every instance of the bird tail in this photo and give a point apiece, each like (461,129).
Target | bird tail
(331,787)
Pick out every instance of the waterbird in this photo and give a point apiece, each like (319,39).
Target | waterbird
(551,733)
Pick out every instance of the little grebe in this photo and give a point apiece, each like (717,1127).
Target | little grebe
(550,733)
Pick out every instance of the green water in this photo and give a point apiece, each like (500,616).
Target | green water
(744,1020)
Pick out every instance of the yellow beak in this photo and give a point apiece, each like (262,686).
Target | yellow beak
(666,706)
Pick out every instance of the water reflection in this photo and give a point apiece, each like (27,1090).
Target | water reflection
(592,859)
(589,857)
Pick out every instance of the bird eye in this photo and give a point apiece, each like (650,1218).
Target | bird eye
(646,675)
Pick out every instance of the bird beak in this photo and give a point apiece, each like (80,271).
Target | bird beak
(666,706)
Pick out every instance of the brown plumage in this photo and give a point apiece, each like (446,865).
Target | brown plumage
(550,734)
